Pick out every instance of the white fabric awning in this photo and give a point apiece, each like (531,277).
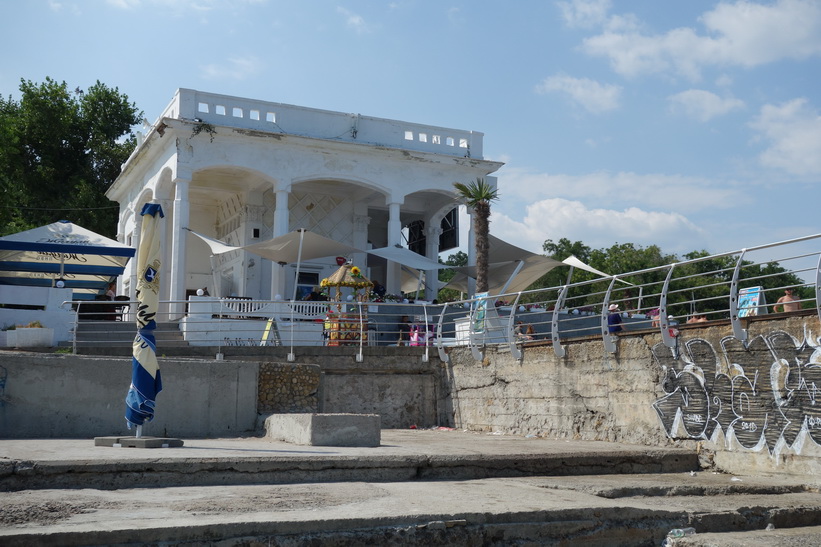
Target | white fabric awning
(285,249)
(408,258)
(504,260)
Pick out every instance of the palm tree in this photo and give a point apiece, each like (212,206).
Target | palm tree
(477,195)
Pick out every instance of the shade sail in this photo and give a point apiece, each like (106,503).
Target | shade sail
(576,263)
(408,258)
(217,247)
(504,261)
(84,260)
(286,249)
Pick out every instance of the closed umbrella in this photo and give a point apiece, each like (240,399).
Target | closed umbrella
(146,381)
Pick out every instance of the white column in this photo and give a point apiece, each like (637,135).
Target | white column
(393,283)
(432,234)
(178,247)
(281,227)
(135,242)
(471,252)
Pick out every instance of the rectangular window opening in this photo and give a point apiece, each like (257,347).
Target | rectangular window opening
(436,139)
(271,117)
(219,110)
(423,137)
(463,143)
(450,141)
(254,115)
(202,107)
(237,112)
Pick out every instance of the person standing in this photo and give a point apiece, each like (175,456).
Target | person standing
(787,303)
(614,319)
(404,330)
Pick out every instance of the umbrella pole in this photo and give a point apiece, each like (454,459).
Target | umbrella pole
(139,432)
(291,355)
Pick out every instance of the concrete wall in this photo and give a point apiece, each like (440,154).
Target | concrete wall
(753,408)
(50,395)
(45,395)
(747,408)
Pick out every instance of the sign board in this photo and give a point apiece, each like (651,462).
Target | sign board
(751,301)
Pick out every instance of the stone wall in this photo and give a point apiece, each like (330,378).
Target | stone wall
(287,389)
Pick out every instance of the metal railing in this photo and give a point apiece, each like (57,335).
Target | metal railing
(730,286)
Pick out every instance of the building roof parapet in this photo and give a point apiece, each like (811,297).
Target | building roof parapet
(228,111)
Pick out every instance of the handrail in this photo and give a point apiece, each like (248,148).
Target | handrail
(229,321)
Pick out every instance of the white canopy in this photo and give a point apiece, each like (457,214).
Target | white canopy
(286,249)
(408,258)
(576,263)
(505,260)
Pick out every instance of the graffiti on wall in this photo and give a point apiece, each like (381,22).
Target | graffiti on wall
(765,395)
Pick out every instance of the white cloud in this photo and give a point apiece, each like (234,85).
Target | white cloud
(653,191)
(353,20)
(742,33)
(589,94)
(556,218)
(793,130)
(584,13)
(703,105)
(236,68)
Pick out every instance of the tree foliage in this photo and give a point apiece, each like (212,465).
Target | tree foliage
(59,152)
(701,285)
(460,258)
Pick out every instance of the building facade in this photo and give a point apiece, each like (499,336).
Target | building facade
(243,171)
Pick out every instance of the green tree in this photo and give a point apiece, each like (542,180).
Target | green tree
(478,195)
(460,258)
(59,152)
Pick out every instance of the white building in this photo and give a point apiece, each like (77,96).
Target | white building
(244,171)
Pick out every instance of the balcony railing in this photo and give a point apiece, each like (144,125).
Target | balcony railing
(224,110)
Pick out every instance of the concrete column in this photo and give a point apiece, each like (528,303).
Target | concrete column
(393,283)
(433,231)
(281,227)
(178,247)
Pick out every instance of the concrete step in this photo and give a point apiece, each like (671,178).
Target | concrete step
(426,487)
(122,333)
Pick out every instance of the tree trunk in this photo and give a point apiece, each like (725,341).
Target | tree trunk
(481,224)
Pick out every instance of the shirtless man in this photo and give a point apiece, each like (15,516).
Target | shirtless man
(787,303)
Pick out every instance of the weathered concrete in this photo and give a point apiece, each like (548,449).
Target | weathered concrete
(51,395)
(747,408)
(324,429)
(750,409)
(486,489)
(68,396)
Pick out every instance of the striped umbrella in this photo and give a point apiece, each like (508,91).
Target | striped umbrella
(145,370)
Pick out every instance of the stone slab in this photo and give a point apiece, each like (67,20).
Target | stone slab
(135,442)
(325,429)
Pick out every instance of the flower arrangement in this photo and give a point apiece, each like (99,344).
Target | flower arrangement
(353,284)
(356,272)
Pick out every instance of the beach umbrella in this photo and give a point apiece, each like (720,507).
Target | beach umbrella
(146,382)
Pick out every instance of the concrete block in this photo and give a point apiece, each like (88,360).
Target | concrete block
(141,442)
(30,338)
(325,429)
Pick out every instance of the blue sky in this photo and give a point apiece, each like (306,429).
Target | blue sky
(689,124)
